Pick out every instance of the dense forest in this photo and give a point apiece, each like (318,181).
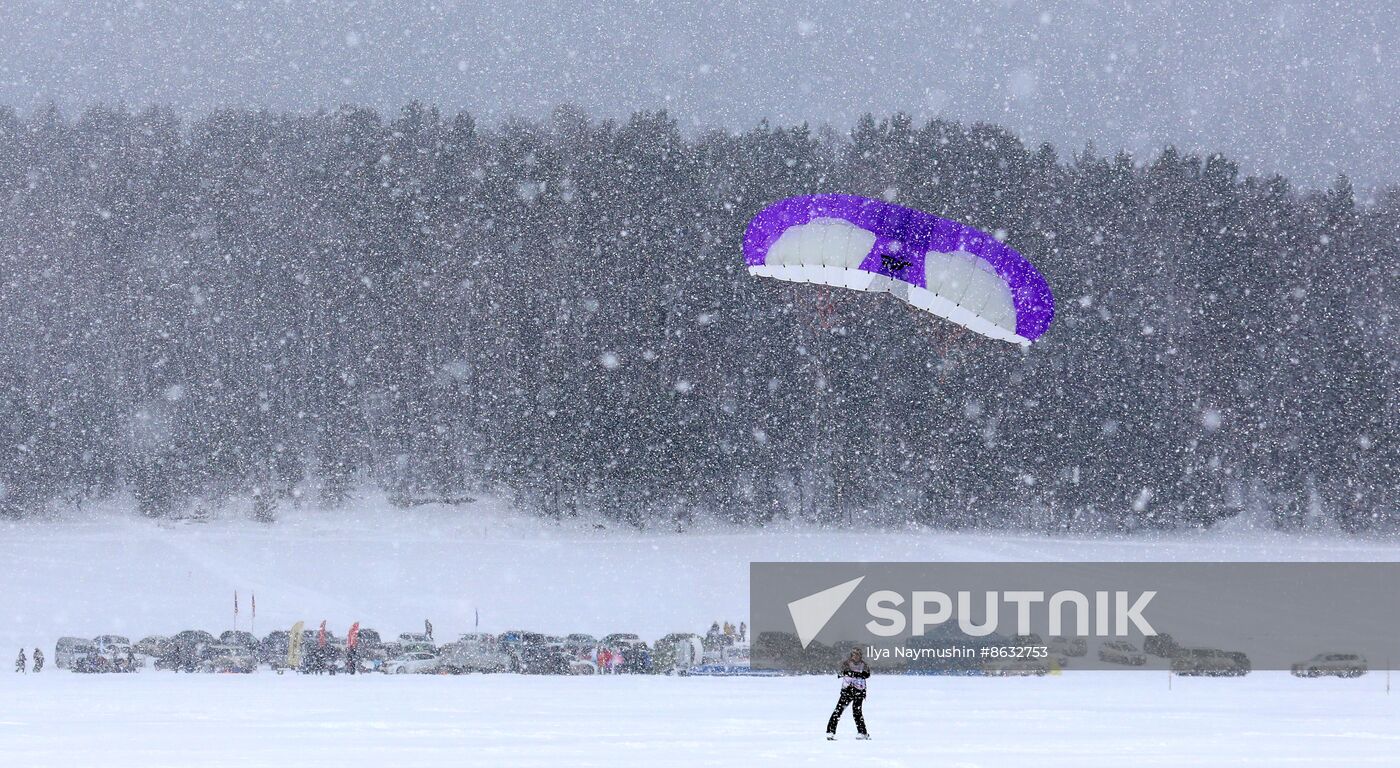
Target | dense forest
(301,308)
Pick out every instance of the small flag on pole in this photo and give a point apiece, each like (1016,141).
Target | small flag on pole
(478,617)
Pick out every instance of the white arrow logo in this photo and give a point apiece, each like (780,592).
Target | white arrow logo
(811,613)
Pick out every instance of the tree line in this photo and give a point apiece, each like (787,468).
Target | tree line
(297,307)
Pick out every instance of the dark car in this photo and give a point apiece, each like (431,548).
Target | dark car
(1161,645)
(273,648)
(636,659)
(154,645)
(1210,662)
(245,641)
(184,651)
(534,654)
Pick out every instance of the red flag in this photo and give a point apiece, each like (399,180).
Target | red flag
(353,635)
(321,636)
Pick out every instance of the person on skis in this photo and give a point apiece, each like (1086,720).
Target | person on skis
(21,663)
(854,672)
(38,660)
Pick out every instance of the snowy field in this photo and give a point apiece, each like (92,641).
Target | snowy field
(1076,721)
(118,573)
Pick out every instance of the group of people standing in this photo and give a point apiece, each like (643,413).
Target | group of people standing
(22,663)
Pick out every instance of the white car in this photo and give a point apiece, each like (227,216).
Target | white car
(1333,664)
(417,663)
(474,653)
(70,649)
(103,642)
(1121,652)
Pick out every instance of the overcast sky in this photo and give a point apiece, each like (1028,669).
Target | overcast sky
(1308,89)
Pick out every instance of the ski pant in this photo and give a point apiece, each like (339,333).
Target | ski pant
(855,697)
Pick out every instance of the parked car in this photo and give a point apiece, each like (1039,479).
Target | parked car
(185,651)
(1121,652)
(101,663)
(582,666)
(368,640)
(119,651)
(636,659)
(580,640)
(1160,644)
(474,653)
(418,663)
(1015,667)
(70,649)
(1072,647)
(154,646)
(532,653)
(1209,662)
(621,639)
(246,641)
(103,642)
(273,649)
(677,653)
(1333,665)
(222,657)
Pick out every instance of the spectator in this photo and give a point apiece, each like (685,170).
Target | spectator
(21,663)
(38,660)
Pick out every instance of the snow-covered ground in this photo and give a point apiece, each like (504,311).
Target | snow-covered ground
(114,572)
(1077,721)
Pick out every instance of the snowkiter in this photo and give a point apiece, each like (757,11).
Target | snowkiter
(38,660)
(854,672)
(21,663)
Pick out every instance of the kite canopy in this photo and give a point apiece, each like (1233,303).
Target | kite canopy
(940,266)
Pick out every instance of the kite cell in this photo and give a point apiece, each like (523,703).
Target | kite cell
(939,266)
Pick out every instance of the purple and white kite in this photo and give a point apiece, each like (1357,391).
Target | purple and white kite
(940,266)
